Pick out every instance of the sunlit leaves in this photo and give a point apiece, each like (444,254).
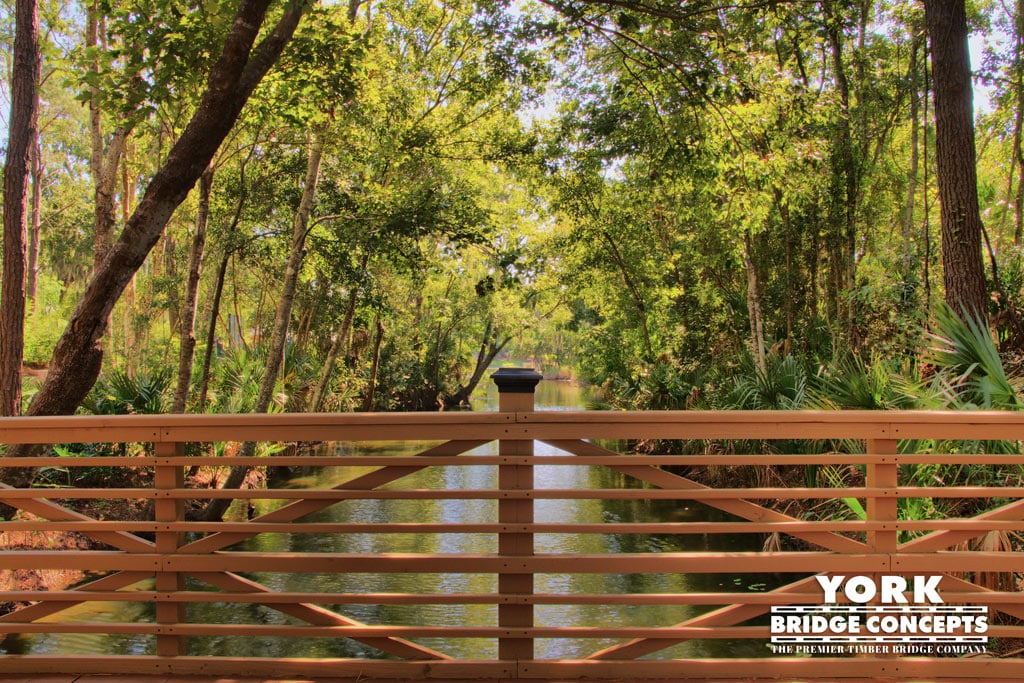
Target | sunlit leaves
(320,72)
(152,51)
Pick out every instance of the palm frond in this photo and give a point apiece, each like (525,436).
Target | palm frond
(964,350)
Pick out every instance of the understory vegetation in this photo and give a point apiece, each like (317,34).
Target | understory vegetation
(686,207)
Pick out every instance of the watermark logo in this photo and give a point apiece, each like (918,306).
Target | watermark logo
(879,615)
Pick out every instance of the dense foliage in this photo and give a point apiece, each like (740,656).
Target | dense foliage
(690,206)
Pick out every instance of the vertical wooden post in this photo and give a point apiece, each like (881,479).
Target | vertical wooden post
(883,475)
(515,394)
(167,509)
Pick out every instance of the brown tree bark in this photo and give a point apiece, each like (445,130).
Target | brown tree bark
(35,225)
(955,157)
(845,187)
(216,508)
(211,333)
(371,387)
(490,346)
(105,157)
(187,347)
(339,343)
(754,305)
(104,182)
(907,256)
(78,355)
(21,140)
(1018,124)
(279,335)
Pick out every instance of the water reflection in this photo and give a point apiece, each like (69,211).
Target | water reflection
(551,395)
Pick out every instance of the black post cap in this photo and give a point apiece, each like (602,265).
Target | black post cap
(516,380)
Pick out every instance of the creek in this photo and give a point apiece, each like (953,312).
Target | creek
(551,395)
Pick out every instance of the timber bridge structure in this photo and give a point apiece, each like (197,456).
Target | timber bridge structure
(170,567)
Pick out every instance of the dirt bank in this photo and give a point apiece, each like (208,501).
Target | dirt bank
(38,579)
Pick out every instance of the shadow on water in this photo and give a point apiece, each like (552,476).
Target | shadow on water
(550,396)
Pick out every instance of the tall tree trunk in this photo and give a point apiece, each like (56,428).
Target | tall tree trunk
(105,157)
(339,342)
(926,204)
(371,387)
(35,225)
(1018,198)
(21,139)
(187,323)
(907,256)
(211,329)
(211,332)
(279,333)
(754,306)
(275,349)
(846,183)
(129,346)
(963,269)
(813,275)
(306,316)
(170,266)
(322,382)
(1018,121)
(104,182)
(790,303)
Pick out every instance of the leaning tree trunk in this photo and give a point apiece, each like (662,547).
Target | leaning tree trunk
(21,139)
(222,271)
(279,335)
(339,342)
(490,347)
(78,356)
(789,307)
(216,508)
(187,351)
(955,157)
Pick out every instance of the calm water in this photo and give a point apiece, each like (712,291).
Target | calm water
(551,396)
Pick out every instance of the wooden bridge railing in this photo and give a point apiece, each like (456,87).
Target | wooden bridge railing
(172,568)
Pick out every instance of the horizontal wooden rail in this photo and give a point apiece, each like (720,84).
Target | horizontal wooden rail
(759,493)
(407,632)
(544,425)
(661,528)
(738,668)
(171,569)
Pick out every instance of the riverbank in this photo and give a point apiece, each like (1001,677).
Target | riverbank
(126,510)
(38,579)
